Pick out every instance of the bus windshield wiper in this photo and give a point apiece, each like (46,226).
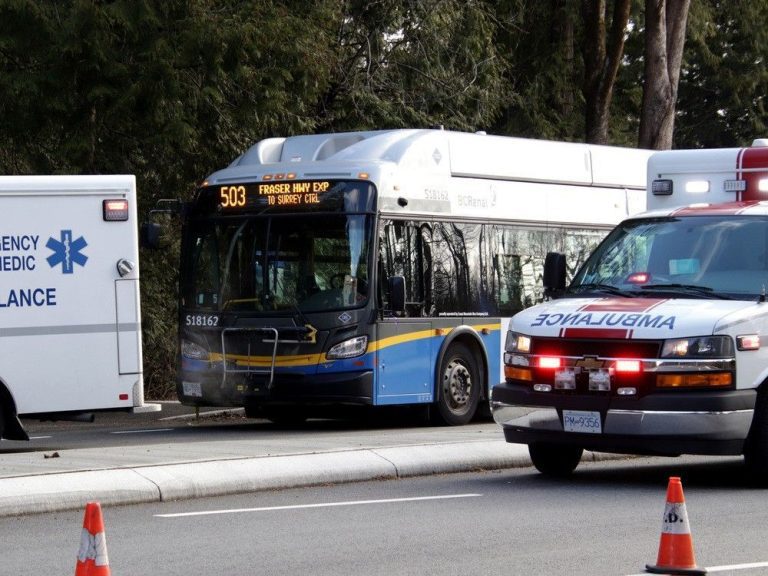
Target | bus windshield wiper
(597,287)
(705,291)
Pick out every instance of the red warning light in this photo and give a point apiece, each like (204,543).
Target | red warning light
(550,362)
(115,210)
(639,278)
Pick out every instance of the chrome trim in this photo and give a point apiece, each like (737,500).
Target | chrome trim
(723,425)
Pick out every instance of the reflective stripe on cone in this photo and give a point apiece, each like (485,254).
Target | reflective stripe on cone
(92,558)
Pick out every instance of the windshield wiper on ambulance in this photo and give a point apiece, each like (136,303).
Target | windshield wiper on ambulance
(705,291)
(597,287)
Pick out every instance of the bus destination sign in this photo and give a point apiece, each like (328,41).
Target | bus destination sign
(289,194)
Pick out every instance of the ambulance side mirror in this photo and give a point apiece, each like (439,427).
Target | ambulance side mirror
(554,274)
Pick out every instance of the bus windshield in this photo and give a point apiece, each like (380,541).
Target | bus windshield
(312,262)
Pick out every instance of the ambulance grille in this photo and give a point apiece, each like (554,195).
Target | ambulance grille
(596,347)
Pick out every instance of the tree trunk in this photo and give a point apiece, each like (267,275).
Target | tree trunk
(603,52)
(665,22)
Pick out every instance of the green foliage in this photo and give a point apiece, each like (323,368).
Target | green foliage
(171,90)
(725,75)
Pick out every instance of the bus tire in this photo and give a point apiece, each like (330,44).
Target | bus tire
(756,446)
(556,460)
(2,421)
(458,386)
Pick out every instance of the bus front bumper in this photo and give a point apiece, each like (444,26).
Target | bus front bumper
(355,388)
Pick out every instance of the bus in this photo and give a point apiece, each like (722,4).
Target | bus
(380,268)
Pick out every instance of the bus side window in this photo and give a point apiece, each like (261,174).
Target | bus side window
(401,254)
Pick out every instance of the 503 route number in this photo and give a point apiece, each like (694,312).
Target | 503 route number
(201,320)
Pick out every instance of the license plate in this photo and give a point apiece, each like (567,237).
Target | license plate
(582,421)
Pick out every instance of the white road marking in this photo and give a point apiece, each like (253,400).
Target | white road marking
(738,567)
(141,431)
(728,568)
(324,505)
(39,437)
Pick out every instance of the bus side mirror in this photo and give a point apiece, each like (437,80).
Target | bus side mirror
(554,273)
(396,286)
(149,235)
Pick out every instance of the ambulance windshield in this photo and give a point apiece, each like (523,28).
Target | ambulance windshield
(688,256)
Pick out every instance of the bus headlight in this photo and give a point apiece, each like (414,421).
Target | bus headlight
(348,349)
(193,351)
(698,347)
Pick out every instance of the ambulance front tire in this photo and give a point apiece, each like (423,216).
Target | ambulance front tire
(756,446)
(2,421)
(556,460)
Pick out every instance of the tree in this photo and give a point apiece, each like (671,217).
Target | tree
(665,26)
(413,63)
(721,98)
(603,50)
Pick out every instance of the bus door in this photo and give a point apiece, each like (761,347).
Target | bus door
(405,368)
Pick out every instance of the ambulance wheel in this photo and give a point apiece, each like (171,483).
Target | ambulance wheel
(555,459)
(458,386)
(2,421)
(756,446)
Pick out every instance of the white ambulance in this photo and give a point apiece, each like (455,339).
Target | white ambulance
(70,321)
(659,345)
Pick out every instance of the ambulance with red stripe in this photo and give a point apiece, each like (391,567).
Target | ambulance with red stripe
(655,347)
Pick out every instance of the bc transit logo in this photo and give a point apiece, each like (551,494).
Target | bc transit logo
(66,252)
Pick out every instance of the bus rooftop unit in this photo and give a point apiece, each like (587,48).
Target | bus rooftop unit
(70,336)
(657,344)
(376,268)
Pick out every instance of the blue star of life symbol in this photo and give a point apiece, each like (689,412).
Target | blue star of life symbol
(66,252)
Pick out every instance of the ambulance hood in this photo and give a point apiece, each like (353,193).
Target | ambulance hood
(635,318)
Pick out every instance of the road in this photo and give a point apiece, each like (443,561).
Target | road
(606,520)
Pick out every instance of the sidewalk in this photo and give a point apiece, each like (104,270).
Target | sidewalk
(33,482)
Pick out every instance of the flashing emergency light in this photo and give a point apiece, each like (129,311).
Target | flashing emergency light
(550,362)
(627,366)
(639,278)
(762,185)
(748,342)
(697,186)
(115,210)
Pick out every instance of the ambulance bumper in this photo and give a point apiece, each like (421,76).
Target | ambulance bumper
(658,424)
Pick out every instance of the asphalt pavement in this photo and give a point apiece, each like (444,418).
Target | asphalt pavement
(35,481)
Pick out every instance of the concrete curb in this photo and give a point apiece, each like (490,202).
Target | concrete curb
(60,491)
(141,484)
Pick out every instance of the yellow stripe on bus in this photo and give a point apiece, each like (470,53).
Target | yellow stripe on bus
(312,359)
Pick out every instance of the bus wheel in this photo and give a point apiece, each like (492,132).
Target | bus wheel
(756,446)
(458,390)
(2,422)
(555,459)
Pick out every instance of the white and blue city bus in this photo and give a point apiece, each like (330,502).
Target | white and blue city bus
(380,268)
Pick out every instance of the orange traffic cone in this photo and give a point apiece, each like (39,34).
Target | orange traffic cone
(676,545)
(92,557)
